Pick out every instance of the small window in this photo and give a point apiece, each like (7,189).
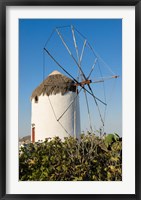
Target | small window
(36,99)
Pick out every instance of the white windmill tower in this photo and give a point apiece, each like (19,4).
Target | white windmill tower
(50,114)
(55,102)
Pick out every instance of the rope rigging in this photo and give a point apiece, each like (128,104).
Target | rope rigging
(56,116)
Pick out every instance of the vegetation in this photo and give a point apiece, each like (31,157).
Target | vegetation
(89,159)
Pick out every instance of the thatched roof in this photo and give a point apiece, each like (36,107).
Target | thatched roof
(55,83)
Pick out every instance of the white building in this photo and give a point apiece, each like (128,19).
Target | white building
(55,108)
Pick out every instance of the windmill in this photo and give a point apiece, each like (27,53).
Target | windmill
(59,113)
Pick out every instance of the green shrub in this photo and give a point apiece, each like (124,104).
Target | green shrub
(89,159)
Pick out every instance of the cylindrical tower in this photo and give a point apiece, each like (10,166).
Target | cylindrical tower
(55,108)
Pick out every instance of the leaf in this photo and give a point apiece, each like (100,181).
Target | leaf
(109,139)
(103,147)
(78,179)
(58,168)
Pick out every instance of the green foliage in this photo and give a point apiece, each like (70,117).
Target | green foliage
(89,159)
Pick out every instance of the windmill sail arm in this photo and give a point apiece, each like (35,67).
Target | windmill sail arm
(93,51)
(71,54)
(88,109)
(95,98)
(84,45)
(60,65)
(97,105)
(75,44)
(92,68)
(105,79)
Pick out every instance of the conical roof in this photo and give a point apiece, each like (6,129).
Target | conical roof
(55,83)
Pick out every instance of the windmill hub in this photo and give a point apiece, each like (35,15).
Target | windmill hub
(86,82)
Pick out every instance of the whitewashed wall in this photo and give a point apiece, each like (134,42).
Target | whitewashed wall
(44,119)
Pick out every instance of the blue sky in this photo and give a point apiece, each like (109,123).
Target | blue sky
(104,35)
